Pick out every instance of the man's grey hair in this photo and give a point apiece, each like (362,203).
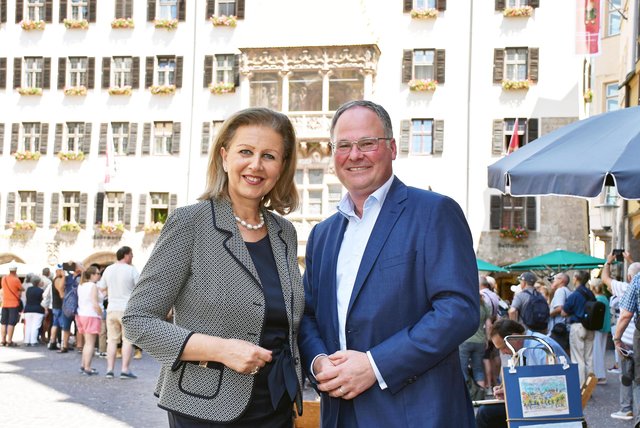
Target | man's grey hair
(633,269)
(376,108)
(564,278)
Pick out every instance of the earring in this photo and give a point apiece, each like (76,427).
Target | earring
(224,167)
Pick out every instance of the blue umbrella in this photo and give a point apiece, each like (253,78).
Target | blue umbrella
(578,159)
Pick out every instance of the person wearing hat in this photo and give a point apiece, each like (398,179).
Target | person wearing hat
(527,281)
(11,290)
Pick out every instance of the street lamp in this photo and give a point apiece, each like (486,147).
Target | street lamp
(608,208)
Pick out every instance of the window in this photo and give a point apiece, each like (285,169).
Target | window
(71,207)
(167,9)
(424,4)
(120,135)
(78,10)
(611,94)
(305,91)
(345,85)
(31,137)
(423,64)
(517,3)
(159,208)
(122,71)
(613,17)
(421,136)
(335,194)
(35,10)
(77,71)
(266,90)
(318,196)
(162,138)
(166,71)
(113,210)
(27,205)
(33,74)
(226,7)
(124,9)
(224,68)
(516,64)
(511,212)
(509,131)
(75,137)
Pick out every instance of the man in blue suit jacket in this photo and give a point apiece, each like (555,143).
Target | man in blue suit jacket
(391,291)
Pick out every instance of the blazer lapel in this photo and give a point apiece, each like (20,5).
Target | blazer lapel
(389,214)
(280,254)
(338,226)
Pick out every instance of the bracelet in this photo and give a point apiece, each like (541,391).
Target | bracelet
(617,340)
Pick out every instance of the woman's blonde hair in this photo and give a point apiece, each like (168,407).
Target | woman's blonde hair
(596,285)
(283,198)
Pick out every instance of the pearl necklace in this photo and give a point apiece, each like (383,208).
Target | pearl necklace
(250,226)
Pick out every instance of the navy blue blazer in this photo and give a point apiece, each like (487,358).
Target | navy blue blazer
(415,300)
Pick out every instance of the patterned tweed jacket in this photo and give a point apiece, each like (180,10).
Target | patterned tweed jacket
(202,269)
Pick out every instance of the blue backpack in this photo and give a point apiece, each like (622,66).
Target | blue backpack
(70,299)
(535,312)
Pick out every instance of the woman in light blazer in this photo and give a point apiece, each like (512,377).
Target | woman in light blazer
(227,266)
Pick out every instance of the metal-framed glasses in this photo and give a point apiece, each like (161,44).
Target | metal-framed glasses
(366,144)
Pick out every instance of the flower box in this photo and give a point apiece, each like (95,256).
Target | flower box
(167,24)
(224,21)
(221,88)
(588,96)
(122,23)
(68,227)
(71,156)
(23,225)
(428,13)
(515,12)
(110,229)
(513,85)
(76,24)
(30,91)
(420,85)
(76,91)
(517,233)
(162,89)
(26,155)
(120,90)
(153,228)
(32,25)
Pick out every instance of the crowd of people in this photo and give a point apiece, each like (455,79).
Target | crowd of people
(87,319)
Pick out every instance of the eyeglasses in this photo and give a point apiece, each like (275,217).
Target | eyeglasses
(366,144)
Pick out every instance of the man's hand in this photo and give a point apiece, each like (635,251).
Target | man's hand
(498,392)
(620,346)
(349,377)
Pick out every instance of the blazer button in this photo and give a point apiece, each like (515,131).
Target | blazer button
(296,361)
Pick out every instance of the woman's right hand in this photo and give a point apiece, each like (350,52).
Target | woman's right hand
(244,357)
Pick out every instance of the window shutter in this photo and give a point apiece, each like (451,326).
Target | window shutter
(106,72)
(142,211)
(46,78)
(240,9)
(175,140)
(407,65)
(532,130)
(531,213)
(48,11)
(63,11)
(408,6)
(146,139)
(40,209)
(534,3)
(405,136)
(208,71)
(17,72)
(118,9)
(91,73)
(57,141)
(92,11)
(173,202)
(440,61)
(19,10)
(182,10)
(135,72)
(438,137)
(534,55)
(44,138)
(151,10)
(497,146)
(1,137)
(133,136)
(211,9)
(15,134)
(11,207)
(99,207)
(500,5)
(179,64)
(128,8)
(3,11)
(148,76)
(206,135)
(3,73)
(441,5)
(86,139)
(102,139)
(495,212)
(82,221)
(128,199)
(236,71)
(53,218)
(62,72)
(498,65)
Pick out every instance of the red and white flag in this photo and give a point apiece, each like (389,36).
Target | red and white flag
(110,170)
(514,143)
(587,27)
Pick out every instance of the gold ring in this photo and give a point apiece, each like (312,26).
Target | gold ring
(341,391)
(254,371)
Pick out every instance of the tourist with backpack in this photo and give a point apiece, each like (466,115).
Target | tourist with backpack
(529,307)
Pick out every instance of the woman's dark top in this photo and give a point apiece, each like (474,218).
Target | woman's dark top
(34,298)
(56,300)
(275,384)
